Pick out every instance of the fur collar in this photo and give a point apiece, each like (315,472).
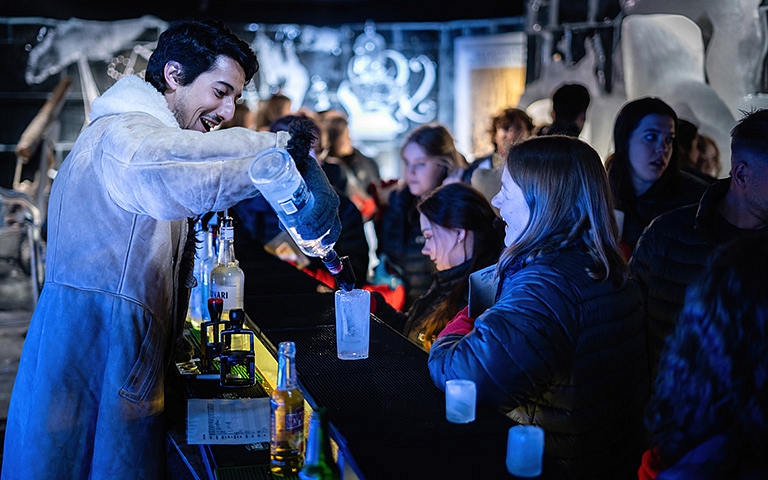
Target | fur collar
(132,94)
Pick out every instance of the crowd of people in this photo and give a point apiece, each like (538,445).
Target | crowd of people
(629,320)
(593,260)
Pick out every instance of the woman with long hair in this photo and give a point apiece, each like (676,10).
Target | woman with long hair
(644,170)
(429,158)
(461,235)
(563,345)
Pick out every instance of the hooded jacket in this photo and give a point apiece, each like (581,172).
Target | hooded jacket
(565,352)
(88,396)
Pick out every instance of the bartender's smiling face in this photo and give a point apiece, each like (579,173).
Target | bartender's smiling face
(210,99)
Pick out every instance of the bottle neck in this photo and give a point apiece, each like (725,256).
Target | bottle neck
(315,441)
(208,245)
(226,245)
(286,373)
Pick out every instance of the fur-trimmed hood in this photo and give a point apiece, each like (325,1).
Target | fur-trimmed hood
(132,94)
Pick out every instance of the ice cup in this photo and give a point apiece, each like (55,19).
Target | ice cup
(460,400)
(353,323)
(525,450)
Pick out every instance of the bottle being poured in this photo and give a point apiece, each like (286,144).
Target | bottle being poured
(274,173)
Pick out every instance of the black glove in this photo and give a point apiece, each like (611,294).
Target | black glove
(324,215)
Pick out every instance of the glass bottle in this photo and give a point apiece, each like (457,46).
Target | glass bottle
(227,278)
(319,464)
(204,263)
(286,437)
(275,175)
(237,356)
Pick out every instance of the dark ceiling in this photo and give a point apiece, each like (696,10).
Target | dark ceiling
(316,12)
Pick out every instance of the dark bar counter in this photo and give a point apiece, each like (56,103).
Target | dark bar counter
(386,415)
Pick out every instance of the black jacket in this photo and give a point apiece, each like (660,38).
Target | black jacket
(669,192)
(671,254)
(411,323)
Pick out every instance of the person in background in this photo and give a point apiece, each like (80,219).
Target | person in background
(709,416)
(257,223)
(88,399)
(360,171)
(429,156)
(709,156)
(569,111)
(460,237)
(644,170)
(688,144)
(508,127)
(563,346)
(673,251)
(276,106)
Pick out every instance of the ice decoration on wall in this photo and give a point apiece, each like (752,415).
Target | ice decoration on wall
(73,39)
(280,68)
(376,91)
(79,41)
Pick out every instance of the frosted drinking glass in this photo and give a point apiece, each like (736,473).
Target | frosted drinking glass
(525,449)
(460,399)
(353,323)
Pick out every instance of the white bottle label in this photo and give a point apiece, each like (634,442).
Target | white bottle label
(297,201)
(228,293)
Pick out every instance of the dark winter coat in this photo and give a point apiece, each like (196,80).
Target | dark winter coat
(564,352)
(668,193)
(671,254)
(411,323)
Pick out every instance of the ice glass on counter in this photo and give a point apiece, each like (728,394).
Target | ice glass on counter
(353,323)
(460,400)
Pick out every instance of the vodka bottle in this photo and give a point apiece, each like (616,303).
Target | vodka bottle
(227,278)
(195,309)
(204,263)
(286,436)
(274,174)
(319,464)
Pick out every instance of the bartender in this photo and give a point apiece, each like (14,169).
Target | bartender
(88,397)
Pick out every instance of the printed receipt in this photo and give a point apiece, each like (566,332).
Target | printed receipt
(227,421)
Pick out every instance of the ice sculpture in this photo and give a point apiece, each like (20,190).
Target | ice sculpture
(78,41)
(735,54)
(376,91)
(661,53)
(280,66)
(664,57)
(603,106)
(93,40)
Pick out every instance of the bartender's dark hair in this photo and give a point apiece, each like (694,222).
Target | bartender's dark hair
(196,46)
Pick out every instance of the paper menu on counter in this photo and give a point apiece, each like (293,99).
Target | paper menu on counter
(227,421)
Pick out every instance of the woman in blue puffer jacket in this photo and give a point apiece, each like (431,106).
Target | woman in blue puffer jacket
(563,346)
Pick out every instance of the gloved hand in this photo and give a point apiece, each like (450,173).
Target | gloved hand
(324,215)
